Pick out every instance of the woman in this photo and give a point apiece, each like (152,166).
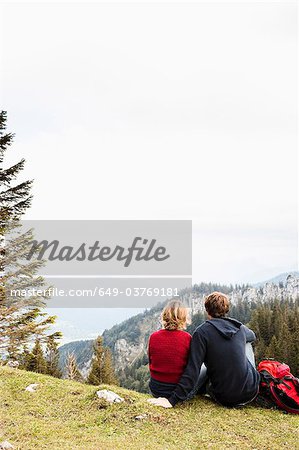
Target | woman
(168,350)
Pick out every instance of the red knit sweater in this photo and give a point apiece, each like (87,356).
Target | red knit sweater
(168,354)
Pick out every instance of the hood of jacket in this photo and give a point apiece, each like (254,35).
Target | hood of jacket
(226,326)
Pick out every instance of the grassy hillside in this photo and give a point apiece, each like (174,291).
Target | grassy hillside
(65,415)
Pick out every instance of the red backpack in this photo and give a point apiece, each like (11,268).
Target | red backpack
(279,386)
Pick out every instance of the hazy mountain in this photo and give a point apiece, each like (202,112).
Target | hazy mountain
(281,278)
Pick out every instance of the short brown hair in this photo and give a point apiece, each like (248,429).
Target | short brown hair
(174,316)
(217,304)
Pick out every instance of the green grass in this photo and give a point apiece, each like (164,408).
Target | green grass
(65,415)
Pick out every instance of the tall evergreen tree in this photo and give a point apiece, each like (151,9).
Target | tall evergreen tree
(294,344)
(284,342)
(109,376)
(21,318)
(38,362)
(52,355)
(273,349)
(14,199)
(101,367)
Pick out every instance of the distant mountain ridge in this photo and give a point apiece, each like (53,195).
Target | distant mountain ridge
(277,279)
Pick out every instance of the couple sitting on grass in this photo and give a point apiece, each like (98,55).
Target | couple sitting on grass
(217,360)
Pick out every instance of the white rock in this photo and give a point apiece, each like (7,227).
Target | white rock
(292,286)
(5,445)
(109,396)
(269,291)
(13,364)
(141,417)
(31,388)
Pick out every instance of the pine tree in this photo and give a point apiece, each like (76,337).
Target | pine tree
(284,343)
(52,355)
(96,373)
(101,367)
(260,350)
(25,359)
(109,376)
(276,319)
(294,344)
(21,319)
(39,363)
(273,349)
(72,370)
(14,199)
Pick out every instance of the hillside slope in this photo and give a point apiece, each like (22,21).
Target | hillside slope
(65,415)
(127,341)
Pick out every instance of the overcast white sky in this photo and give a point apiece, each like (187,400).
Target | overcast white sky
(161,111)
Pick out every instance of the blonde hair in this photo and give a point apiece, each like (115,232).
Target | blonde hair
(174,316)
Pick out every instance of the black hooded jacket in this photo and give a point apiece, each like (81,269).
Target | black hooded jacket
(220,344)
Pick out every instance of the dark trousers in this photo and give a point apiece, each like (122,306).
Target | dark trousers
(160,389)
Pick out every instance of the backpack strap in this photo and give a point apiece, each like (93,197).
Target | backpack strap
(279,402)
(268,378)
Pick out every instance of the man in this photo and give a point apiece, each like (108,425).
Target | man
(224,346)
